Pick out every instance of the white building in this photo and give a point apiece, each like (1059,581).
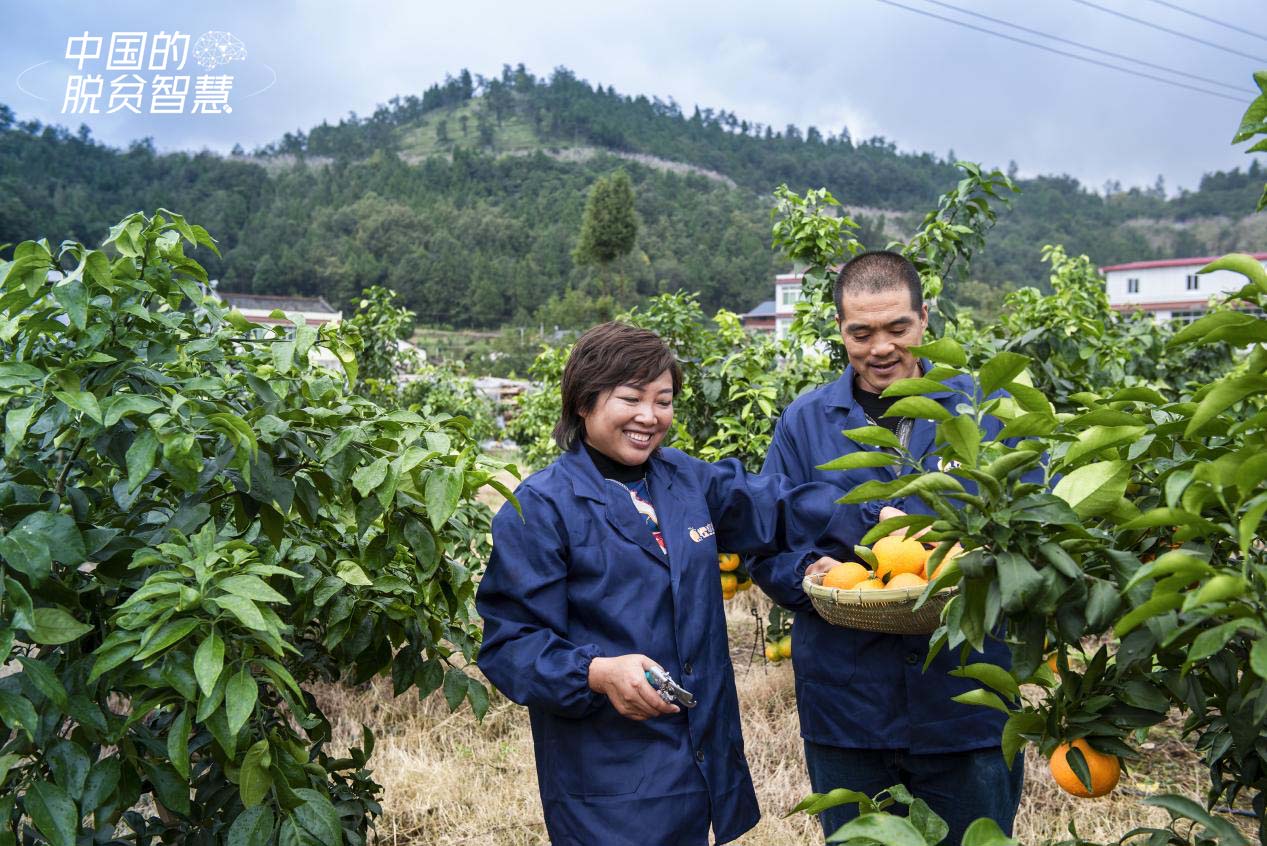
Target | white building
(787,293)
(1169,289)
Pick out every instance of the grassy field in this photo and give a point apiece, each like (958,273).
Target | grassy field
(514,135)
(450,780)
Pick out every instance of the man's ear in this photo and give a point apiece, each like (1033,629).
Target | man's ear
(923,315)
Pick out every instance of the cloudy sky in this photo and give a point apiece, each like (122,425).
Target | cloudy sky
(872,65)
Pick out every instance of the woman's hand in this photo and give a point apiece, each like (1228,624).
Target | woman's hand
(621,680)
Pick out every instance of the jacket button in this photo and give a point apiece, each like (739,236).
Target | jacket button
(912,658)
(699,755)
(686,668)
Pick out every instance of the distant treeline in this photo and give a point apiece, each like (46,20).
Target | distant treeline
(473,238)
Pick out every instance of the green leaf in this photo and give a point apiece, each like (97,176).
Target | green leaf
(1258,658)
(816,803)
(16,423)
(1019,723)
(1001,370)
(964,436)
(178,742)
(73,297)
(367,478)
(45,681)
(83,401)
(913,387)
(53,813)
(1019,583)
(1224,832)
(171,633)
(1242,263)
(1099,438)
(877,436)
(455,684)
(1152,608)
(861,458)
(117,407)
(172,790)
(990,675)
(983,697)
(318,817)
(53,626)
(875,489)
(6,764)
(986,832)
(443,490)
(244,610)
(943,351)
(140,457)
(254,826)
(350,572)
(254,779)
(251,587)
(208,662)
(17,712)
(100,786)
(239,699)
(478,697)
(1222,396)
(1094,488)
(1034,424)
(880,828)
(920,407)
(893,524)
(283,356)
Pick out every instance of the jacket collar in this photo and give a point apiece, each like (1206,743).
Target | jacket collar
(840,394)
(588,483)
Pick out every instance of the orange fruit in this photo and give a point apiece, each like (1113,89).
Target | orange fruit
(1051,663)
(895,555)
(728,561)
(869,584)
(785,646)
(729,582)
(905,580)
(772,653)
(845,576)
(1105,770)
(744,584)
(954,552)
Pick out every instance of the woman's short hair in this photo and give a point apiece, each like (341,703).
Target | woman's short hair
(604,358)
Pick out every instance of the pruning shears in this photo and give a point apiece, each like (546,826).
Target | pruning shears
(669,690)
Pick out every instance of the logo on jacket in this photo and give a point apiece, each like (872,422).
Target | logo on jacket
(705,531)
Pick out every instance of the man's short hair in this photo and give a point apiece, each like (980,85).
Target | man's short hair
(878,270)
(604,358)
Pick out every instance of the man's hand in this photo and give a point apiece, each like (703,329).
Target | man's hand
(621,680)
(888,512)
(822,565)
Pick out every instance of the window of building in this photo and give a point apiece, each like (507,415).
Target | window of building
(789,295)
(1132,286)
(1185,317)
(1194,282)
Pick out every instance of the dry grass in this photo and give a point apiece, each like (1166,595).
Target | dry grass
(450,780)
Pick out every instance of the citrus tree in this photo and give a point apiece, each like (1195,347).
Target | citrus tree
(195,523)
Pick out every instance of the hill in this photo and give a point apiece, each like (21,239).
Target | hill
(467,199)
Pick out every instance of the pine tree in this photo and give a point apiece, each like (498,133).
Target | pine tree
(609,227)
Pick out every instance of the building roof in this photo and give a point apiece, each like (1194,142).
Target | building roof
(268,302)
(1179,262)
(765,309)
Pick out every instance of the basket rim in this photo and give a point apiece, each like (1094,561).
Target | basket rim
(871,598)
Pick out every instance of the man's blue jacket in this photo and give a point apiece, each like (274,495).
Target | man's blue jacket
(856,689)
(580,576)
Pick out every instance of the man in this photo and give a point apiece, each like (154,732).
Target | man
(871,717)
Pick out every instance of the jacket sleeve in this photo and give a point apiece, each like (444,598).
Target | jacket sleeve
(787,525)
(523,601)
(780,574)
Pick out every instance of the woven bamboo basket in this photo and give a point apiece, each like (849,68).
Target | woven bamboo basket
(889,611)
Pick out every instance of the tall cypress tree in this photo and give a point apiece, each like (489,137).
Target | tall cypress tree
(609,227)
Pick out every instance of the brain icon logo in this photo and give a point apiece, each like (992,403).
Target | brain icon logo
(213,49)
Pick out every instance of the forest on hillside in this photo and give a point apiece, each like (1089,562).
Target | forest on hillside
(465,200)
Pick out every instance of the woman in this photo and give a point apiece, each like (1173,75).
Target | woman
(612,570)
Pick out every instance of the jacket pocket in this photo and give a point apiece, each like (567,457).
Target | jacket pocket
(613,768)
